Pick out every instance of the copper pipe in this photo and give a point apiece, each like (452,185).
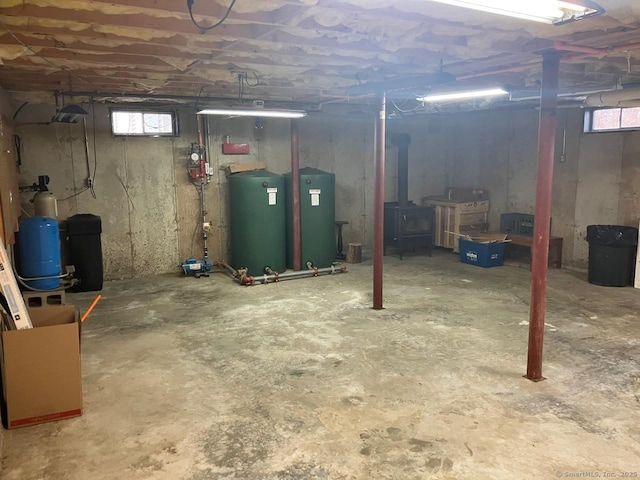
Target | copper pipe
(295,183)
(541,226)
(378,215)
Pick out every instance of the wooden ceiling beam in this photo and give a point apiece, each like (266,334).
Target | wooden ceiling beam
(603,38)
(70,43)
(284,46)
(30,76)
(301,76)
(302,45)
(287,10)
(132,21)
(230,30)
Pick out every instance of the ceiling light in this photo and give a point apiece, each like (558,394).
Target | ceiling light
(546,11)
(452,96)
(253,112)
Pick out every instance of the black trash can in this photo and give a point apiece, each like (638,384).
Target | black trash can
(83,231)
(612,254)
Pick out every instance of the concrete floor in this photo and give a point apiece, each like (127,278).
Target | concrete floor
(204,379)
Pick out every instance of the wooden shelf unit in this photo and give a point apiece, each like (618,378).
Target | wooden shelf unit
(454,218)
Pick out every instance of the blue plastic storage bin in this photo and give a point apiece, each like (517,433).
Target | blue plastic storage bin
(481,254)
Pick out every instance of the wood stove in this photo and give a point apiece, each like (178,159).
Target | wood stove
(406,225)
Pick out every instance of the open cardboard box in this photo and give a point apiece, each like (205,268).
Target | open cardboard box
(488,238)
(41,375)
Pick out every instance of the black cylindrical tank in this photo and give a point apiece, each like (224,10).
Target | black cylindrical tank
(85,251)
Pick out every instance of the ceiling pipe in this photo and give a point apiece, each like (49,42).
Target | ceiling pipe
(182,98)
(420,81)
(515,68)
(615,98)
(534,94)
(340,99)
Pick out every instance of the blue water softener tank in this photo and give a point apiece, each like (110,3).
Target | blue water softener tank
(39,239)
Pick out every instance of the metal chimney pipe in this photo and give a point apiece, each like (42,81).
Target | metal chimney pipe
(402,141)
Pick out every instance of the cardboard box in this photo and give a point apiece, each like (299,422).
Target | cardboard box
(488,237)
(41,375)
(489,254)
(244,167)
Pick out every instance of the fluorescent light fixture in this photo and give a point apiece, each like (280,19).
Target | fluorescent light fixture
(452,96)
(253,112)
(545,11)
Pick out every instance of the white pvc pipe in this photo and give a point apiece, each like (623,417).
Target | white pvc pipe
(615,98)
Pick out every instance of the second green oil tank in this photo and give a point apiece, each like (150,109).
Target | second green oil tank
(317,217)
(257,221)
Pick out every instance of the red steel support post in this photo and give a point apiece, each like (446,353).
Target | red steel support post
(295,182)
(541,227)
(378,215)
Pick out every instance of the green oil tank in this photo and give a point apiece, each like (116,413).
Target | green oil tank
(257,221)
(317,217)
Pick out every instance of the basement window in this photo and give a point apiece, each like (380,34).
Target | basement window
(144,123)
(611,119)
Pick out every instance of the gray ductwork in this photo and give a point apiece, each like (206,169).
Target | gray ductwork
(616,98)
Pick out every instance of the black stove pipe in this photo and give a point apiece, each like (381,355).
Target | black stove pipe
(402,141)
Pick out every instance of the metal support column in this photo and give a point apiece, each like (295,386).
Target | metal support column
(378,216)
(295,190)
(541,227)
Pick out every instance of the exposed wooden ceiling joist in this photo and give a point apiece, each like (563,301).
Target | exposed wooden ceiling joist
(301,50)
